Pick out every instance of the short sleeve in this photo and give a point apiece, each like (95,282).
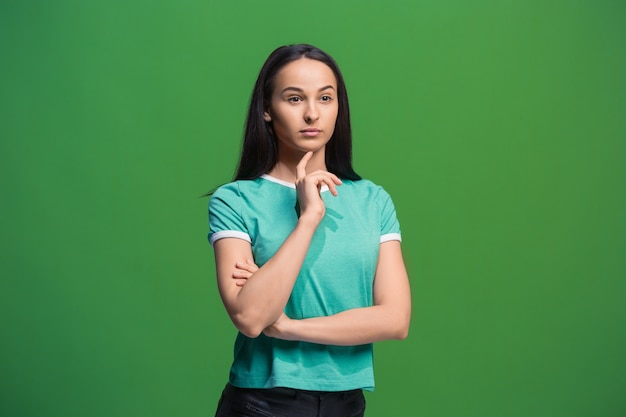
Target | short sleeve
(389,225)
(225,214)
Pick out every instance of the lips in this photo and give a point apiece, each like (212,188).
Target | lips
(310,131)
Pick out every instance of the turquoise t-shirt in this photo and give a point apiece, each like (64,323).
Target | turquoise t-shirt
(337,275)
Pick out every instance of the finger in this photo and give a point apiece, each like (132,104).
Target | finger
(325,174)
(239,274)
(240,283)
(332,184)
(246,266)
(332,189)
(301,167)
(252,265)
(336,179)
(326,178)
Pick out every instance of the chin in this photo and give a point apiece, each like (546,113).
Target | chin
(314,149)
(302,146)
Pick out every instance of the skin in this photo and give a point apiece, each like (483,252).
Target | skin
(303,111)
(304,98)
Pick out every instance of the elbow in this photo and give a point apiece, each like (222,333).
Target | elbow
(402,330)
(402,334)
(247,326)
(250,332)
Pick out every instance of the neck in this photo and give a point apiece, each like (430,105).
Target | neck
(285,168)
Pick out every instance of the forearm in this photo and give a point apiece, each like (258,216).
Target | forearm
(260,302)
(351,327)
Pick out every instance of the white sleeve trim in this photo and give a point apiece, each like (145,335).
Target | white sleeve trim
(390,236)
(229,233)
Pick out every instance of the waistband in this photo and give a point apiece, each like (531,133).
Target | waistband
(293,392)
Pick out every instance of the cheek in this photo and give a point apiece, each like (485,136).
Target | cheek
(282,114)
(280,123)
(332,115)
(281,127)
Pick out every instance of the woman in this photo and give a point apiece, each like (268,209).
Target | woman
(331,278)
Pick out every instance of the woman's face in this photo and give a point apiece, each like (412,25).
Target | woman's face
(304,105)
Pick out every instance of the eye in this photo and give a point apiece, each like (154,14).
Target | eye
(294,99)
(326,98)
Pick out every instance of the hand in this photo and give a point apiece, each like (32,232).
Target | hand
(243,271)
(308,187)
(278,328)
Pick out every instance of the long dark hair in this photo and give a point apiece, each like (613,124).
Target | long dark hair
(259,150)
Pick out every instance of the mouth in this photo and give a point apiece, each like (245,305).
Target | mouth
(310,131)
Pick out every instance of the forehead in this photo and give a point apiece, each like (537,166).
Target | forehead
(305,73)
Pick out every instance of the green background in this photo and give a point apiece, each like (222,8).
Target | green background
(499,128)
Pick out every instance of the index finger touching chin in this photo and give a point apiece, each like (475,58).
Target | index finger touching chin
(301,167)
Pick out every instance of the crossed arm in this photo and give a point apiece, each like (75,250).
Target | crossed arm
(256,297)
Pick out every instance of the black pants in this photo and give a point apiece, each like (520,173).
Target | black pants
(287,402)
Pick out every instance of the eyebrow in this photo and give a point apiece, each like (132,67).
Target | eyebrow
(298,89)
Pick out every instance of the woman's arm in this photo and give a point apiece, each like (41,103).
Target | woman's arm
(259,303)
(388,318)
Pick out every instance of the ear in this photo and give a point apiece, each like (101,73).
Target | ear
(267,117)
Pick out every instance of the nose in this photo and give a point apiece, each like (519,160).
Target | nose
(311,113)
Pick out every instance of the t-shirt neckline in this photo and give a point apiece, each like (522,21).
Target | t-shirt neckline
(287,183)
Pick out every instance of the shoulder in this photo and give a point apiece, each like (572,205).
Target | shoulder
(226,189)
(366,188)
(225,194)
(361,185)
(236,189)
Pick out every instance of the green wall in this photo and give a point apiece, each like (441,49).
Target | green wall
(499,127)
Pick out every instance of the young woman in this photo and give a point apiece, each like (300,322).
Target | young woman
(330,278)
